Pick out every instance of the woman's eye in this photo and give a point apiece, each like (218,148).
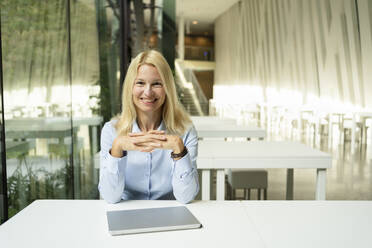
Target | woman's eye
(157,84)
(140,83)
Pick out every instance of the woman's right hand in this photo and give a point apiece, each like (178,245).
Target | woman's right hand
(144,142)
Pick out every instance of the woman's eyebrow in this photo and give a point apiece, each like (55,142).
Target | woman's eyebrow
(154,80)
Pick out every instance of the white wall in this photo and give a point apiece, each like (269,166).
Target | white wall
(299,51)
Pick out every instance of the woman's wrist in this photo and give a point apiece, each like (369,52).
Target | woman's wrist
(177,156)
(117,150)
(179,147)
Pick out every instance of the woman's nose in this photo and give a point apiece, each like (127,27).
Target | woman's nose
(148,90)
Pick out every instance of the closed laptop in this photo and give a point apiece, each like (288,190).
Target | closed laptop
(150,220)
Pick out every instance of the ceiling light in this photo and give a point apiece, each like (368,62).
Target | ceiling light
(194,22)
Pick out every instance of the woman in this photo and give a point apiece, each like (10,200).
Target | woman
(149,151)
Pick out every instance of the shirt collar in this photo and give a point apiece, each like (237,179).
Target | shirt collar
(136,129)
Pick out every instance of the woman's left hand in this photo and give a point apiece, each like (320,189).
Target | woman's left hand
(172,142)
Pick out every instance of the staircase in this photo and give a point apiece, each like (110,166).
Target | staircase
(189,91)
(186,99)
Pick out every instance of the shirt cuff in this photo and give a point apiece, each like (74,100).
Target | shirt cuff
(112,163)
(183,166)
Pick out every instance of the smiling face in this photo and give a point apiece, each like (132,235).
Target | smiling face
(148,90)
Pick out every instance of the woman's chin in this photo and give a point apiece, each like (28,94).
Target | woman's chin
(149,109)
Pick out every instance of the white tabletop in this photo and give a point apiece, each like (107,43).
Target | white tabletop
(52,123)
(258,154)
(212,120)
(312,223)
(47,127)
(283,224)
(82,223)
(218,130)
(364,113)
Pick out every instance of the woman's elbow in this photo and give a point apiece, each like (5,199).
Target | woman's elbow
(111,199)
(187,197)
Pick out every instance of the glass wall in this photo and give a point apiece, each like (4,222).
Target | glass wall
(51,90)
(85,92)
(3,199)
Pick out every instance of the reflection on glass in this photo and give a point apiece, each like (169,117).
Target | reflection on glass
(3,208)
(50,129)
(34,39)
(85,75)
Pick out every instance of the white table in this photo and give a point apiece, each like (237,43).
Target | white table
(363,117)
(212,120)
(221,155)
(51,127)
(218,130)
(321,224)
(282,224)
(82,223)
(19,146)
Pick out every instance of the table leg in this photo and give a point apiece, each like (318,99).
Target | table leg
(76,165)
(289,193)
(206,177)
(94,150)
(353,130)
(220,194)
(94,140)
(330,130)
(262,112)
(268,119)
(317,131)
(299,126)
(321,178)
(341,128)
(365,133)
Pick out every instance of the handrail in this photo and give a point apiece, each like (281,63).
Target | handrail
(196,85)
(189,82)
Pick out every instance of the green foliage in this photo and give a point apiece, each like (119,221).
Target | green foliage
(25,187)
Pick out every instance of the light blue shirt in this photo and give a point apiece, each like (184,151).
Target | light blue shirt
(148,176)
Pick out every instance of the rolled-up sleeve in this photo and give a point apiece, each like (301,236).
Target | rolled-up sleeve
(185,175)
(111,182)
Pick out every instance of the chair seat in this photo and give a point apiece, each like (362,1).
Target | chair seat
(247,178)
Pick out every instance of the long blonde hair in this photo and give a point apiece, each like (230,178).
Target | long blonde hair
(174,116)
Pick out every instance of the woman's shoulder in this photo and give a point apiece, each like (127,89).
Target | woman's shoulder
(111,123)
(110,126)
(190,131)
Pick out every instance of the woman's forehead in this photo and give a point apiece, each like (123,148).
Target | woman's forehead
(148,70)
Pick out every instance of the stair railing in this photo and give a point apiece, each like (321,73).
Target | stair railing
(188,81)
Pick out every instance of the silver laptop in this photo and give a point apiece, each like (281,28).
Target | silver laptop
(150,220)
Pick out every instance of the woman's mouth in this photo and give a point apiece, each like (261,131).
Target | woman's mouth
(148,101)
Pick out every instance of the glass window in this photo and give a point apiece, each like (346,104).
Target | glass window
(85,92)
(37,101)
(51,86)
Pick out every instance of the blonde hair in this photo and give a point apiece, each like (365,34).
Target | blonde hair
(174,116)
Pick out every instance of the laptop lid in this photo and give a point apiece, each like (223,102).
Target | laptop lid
(150,220)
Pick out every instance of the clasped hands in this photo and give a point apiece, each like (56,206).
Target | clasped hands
(146,142)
